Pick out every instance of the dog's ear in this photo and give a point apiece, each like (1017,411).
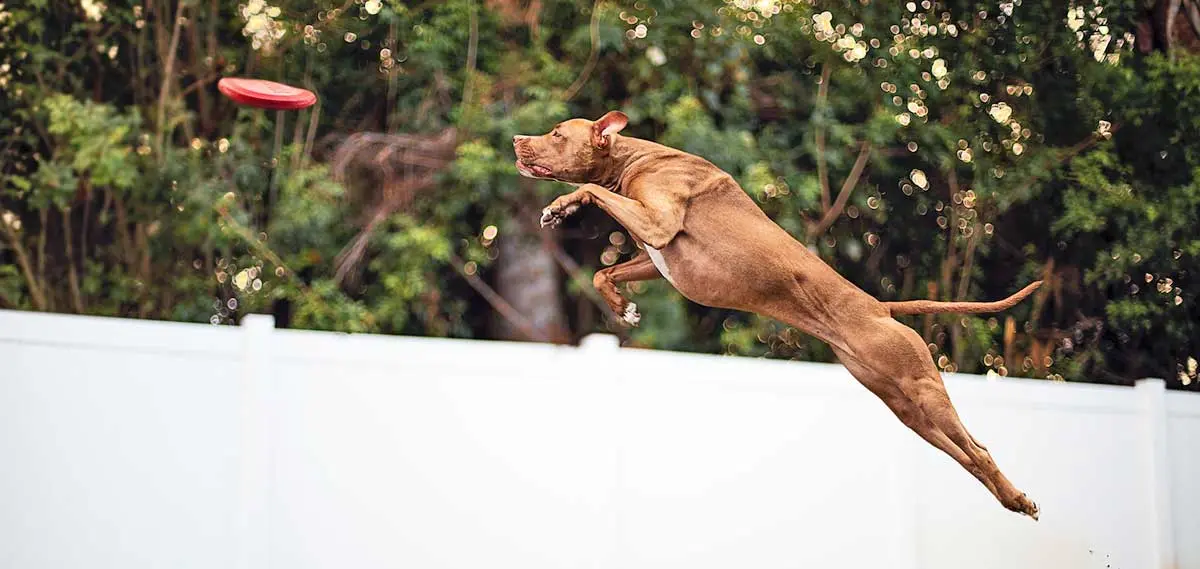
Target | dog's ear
(611,123)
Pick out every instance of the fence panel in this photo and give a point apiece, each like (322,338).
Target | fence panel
(129,444)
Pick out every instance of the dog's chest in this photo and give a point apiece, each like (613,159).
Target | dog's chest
(661,264)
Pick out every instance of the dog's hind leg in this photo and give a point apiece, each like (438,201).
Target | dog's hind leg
(640,268)
(912,416)
(897,350)
(919,379)
(930,394)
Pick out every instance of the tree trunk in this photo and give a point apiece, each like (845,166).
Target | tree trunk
(1168,25)
(527,276)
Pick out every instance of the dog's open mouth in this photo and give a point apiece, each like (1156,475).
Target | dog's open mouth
(533,170)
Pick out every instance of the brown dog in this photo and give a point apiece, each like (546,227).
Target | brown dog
(699,230)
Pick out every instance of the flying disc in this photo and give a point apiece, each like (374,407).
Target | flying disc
(265,94)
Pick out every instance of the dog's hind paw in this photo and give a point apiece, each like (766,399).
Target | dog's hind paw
(1033,510)
(631,316)
(1021,504)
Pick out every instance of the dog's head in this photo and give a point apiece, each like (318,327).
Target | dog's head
(576,150)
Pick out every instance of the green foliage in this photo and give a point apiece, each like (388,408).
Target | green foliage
(1129,209)
(987,164)
(94,137)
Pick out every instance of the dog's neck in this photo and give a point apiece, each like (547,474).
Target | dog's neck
(625,150)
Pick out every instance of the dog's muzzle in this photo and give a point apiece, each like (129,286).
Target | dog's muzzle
(526,165)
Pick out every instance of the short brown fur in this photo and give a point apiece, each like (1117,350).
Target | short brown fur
(718,248)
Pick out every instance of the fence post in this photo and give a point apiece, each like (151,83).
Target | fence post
(606,410)
(1153,395)
(600,343)
(254,405)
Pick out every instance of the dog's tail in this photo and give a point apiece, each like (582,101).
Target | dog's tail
(935,307)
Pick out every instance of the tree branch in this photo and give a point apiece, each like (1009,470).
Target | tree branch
(594,31)
(36,294)
(1070,153)
(848,186)
(197,66)
(472,50)
(313,120)
(1171,10)
(964,278)
(949,263)
(168,72)
(256,245)
(1193,16)
(199,84)
(44,218)
(819,134)
(72,272)
(506,310)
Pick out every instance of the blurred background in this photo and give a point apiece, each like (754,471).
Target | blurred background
(951,150)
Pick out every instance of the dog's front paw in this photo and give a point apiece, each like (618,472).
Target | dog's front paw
(549,218)
(554,214)
(631,317)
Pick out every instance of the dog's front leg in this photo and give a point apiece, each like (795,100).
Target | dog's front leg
(655,220)
(564,206)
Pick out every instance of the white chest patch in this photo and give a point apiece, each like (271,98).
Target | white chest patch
(659,262)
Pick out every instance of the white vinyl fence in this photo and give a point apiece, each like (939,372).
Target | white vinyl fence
(132,444)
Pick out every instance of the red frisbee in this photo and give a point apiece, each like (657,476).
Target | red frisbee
(265,94)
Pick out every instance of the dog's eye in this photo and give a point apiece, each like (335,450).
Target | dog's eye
(556,134)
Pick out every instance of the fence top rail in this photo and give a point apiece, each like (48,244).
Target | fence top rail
(409,354)
(107,333)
